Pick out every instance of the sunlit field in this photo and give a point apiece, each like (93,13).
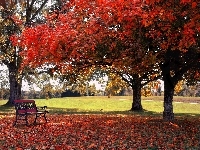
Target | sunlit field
(98,123)
(117,104)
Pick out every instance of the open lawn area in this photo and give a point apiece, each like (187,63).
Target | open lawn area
(101,123)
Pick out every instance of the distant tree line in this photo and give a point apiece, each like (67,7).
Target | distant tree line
(182,89)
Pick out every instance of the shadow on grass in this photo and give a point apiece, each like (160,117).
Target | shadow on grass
(54,110)
(5,110)
(69,111)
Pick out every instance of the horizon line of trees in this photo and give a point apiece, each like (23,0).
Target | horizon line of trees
(151,89)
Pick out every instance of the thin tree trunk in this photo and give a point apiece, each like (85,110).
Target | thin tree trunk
(136,105)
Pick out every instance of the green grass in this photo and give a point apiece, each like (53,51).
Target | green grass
(115,105)
(121,129)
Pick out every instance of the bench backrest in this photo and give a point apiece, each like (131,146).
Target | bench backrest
(22,106)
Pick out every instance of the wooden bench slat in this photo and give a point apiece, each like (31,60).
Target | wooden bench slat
(27,100)
(26,111)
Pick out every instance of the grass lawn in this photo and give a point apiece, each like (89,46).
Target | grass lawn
(116,104)
(98,123)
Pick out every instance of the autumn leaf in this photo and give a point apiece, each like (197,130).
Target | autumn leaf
(100,132)
(194,4)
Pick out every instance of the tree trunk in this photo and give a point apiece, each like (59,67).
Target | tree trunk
(168,114)
(15,84)
(14,62)
(136,86)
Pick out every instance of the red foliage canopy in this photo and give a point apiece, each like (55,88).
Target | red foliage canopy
(73,34)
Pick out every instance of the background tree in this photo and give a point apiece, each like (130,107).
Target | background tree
(174,28)
(94,33)
(4,92)
(15,16)
(124,47)
(115,85)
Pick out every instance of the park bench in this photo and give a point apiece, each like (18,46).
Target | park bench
(24,108)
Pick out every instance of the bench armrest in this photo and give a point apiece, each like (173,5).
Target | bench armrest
(44,107)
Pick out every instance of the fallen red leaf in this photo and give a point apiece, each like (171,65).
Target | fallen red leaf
(100,132)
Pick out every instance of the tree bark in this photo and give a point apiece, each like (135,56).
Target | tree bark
(3,3)
(136,86)
(168,114)
(172,72)
(15,84)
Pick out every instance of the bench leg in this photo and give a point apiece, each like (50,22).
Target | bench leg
(14,124)
(35,121)
(18,118)
(38,115)
(44,115)
(26,119)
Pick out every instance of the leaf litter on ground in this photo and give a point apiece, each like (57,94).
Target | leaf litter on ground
(81,132)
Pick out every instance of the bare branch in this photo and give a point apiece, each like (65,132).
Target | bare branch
(39,9)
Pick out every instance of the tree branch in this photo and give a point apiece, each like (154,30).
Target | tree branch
(39,9)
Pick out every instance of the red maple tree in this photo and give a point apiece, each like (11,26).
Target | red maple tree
(93,33)
(131,38)
(174,28)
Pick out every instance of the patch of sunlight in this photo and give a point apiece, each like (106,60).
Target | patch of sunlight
(148,100)
(193,103)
